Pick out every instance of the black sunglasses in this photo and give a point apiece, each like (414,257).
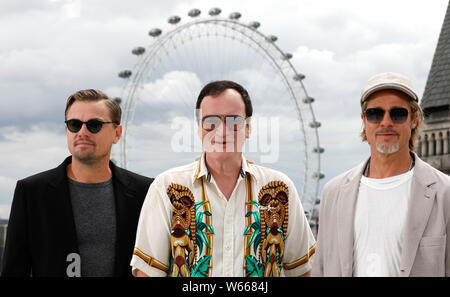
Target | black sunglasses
(375,115)
(233,122)
(93,125)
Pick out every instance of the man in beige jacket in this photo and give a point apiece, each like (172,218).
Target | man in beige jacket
(390,215)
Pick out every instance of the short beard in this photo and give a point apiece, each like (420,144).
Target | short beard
(387,149)
(88,159)
(85,159)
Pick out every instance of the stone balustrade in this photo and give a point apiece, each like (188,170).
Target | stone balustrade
(434,143)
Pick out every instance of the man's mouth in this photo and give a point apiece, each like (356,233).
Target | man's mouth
(220,142)
(83,143)
(387,133)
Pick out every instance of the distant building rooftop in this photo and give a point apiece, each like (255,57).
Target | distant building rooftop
(436,97)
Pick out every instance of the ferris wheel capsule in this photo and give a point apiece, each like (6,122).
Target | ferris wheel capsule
(254,25)
(318,175)
(214,11)
(286,56)
(271,38)
(155,32)
(235,16)
(299,77)
(138,51)
(194,12)
(118,100)
(315,124)
(318,150)
(308,100)
(174,20)
(125,74)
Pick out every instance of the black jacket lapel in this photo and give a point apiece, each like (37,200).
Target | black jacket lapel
(124,193)
(60,206)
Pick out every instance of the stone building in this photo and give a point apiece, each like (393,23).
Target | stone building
(3,228)
(434,140)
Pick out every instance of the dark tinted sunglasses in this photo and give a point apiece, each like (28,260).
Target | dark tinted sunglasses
(93,125)
(375,115)
(233,122)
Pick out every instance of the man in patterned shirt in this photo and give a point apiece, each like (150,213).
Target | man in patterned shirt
(222,215)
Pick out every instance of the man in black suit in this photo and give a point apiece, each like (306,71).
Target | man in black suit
(80,218)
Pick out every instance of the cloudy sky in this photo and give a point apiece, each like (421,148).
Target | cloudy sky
(52,48)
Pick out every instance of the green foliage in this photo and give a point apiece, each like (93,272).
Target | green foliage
(255,238)
(202,267)
(253,268)
(201,237)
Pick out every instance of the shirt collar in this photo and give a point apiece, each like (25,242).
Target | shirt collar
(201,169)
(247,166)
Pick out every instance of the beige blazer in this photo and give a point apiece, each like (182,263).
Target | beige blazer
(426,246)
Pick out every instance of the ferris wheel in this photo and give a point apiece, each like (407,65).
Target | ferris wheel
(168,74)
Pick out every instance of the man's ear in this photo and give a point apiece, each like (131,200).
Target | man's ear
(415,121)
(363,122)
(118,134)
(248,128)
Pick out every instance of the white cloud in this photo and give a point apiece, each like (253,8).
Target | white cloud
(33,150)
(25,153)
(175,86)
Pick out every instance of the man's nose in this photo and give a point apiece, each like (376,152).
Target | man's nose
(386,121)
(84,130)
(222,130)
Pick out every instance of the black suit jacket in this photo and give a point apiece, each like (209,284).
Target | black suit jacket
(41,228)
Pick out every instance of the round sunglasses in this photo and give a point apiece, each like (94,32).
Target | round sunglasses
(93,125)
(375,115)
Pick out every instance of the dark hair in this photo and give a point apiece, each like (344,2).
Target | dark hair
(216,88)
(96,95)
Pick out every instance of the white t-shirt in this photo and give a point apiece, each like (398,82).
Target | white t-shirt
(378,227)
